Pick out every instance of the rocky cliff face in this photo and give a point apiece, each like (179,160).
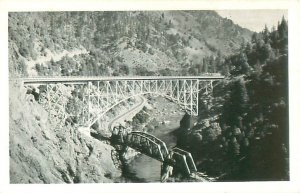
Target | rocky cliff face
(41,153)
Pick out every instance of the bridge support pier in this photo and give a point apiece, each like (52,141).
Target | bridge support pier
(166,171)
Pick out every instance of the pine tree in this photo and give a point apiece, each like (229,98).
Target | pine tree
(283,35)
(237,103)
(266,52)
(266,34)
(245,67)
(283,28)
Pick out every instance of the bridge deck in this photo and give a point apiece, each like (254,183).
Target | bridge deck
(82,79)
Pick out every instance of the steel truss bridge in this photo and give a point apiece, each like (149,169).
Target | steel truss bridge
(156,149)
(95,96)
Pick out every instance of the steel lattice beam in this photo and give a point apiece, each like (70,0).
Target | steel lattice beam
(142,143)
(99,95)
(183,92)
(163,147)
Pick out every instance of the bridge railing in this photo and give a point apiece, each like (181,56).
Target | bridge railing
(80,79)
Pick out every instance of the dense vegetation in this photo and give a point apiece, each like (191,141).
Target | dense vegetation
(242,132)
(120,43)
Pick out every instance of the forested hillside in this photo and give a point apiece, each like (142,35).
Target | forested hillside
(242,132)
(120,43)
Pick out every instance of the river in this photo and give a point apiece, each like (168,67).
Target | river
(143,168)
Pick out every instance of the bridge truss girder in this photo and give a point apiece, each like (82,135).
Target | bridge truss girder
(155,148)
(145,145)
(98,97)
(104,95)
(143,142)
(163,147)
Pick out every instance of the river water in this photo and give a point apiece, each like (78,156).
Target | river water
(146,169)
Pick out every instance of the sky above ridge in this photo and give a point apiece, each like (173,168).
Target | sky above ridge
(255,20)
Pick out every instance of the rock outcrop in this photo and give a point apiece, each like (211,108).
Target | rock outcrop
(42,153)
